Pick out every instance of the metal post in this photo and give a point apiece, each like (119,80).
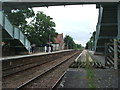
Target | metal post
(115,54)
(13,31)
(0,51)
(19,33)
(106,48)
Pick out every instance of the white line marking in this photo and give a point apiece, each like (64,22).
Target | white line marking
(78,57)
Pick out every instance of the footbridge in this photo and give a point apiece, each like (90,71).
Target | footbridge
(107,26)
(16,40)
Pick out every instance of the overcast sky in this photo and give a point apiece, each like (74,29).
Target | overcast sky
(74,20)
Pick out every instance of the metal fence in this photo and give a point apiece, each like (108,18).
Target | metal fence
(39,49)
(112,54)
(109,54)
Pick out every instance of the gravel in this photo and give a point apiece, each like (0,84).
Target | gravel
(48,80)
(21,77)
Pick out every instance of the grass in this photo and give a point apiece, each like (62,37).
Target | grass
(90,73)
(90,78)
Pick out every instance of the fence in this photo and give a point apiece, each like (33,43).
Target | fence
(39,49)
(112,54)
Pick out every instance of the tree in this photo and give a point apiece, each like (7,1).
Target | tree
(78,46)
(69,43)
(41,30)
(90,44)
(87,45)
(18,17)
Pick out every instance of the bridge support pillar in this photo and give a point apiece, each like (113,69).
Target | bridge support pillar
(118,36)
(0,51)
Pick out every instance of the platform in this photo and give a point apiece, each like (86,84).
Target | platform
(74,78)
(31,55)
(90,77)
(98,58)
(77,78)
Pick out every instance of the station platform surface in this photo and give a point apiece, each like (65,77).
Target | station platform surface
(74,78)
(33,54)
(100,77)
(78,78)
(98,57)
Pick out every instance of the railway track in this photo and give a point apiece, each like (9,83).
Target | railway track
(22,67)
(54,87)
(17,69)
(42,73)
(30,83)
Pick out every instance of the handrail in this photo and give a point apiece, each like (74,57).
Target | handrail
(98,25)
(100,18)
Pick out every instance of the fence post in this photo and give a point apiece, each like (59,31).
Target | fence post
(115,55)
(106,48)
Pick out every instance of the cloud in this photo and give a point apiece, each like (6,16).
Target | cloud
(74,20)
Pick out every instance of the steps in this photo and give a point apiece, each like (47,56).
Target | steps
(106,28)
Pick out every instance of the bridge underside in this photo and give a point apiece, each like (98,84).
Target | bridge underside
(107,27)
(12,46)
(17,5)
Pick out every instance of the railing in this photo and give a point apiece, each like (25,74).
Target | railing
(98,25)
(112,54)
(14,32)
(109,54)
(7,25)
(1,19)
(99,19)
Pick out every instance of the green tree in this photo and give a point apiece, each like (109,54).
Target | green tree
(90,44)
(18,17)
(78,46)
(69,43)
(41,30)
(87,45)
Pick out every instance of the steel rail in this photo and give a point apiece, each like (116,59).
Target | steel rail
(34,65)
(25,69)
(54,87)
(40,75)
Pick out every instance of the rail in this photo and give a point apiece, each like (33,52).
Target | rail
(46,72)
(23,64)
